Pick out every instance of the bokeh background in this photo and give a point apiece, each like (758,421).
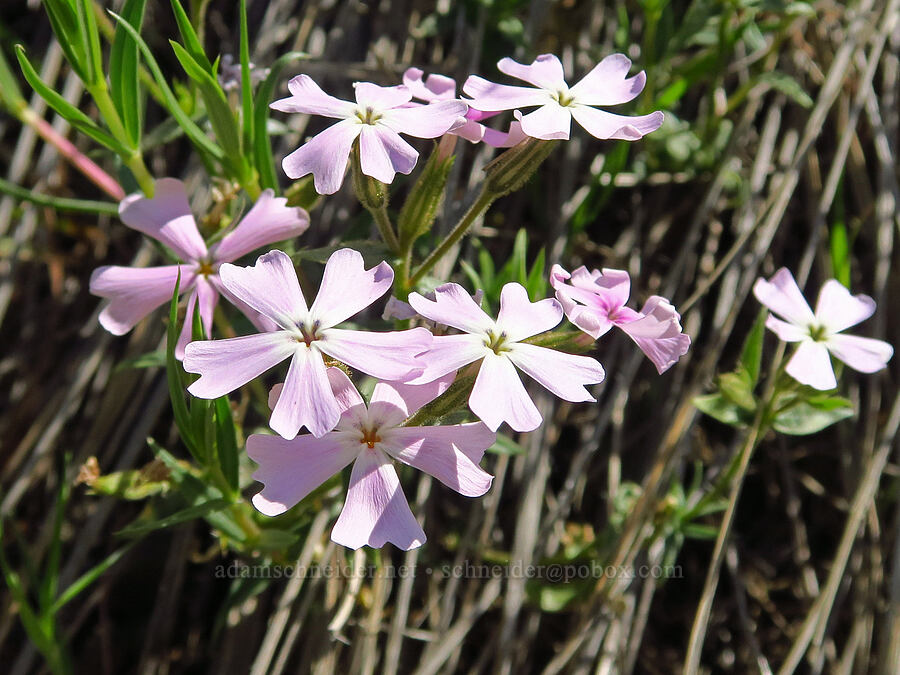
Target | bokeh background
(779,149)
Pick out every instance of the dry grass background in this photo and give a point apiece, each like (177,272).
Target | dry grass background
(811,578)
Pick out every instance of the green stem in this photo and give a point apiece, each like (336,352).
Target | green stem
(485,199)
(134,161)
(385,228)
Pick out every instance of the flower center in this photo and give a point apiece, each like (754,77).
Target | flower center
(817,333)
(496,342)
(308,333)
(367,115)
(205,268)
(563,97)
(370,437)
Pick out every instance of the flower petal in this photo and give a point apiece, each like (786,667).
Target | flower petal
(376,511)
(290,470)
(434,450)
(325,156)
(657,332)
(307,97)
(225,365)
(606,83)
(381,98)
(564,374)
(837,310)
(550,121)
(270,287)
(348,287)
(860,353)
(393,402)
(269,221)
(449,353)
(782,295)
(435,87)
(545,71)
(387,356)
(262,322)
(489,96)
(306,398)
(382,153)
(603,125)
(811,365)
(499,396)
(208,298)
(427,121)
(453,306)
(786,331)
(520,318)
(166,217)
(134,292)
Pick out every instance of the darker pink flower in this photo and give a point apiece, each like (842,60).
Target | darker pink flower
(499,395)
(821,332)
(377,118)
(134,292)
(557,103)
(305,335)
(375,511)
(595,302)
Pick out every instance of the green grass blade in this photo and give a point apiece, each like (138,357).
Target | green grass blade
(262,148)
(87,579)
(226,444)
(191,39)
(124,79)
(246,85)
(191,130)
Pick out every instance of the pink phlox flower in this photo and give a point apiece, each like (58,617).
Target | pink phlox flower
(820,332)
(375,511)
(607,84)
(305,334)
(397,309)
(377,118)
(595,302)
(134,292)
(438,87)
(498,394)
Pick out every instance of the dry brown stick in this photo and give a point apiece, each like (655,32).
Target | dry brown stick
(814,625)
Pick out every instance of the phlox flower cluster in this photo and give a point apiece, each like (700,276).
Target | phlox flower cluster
(455,343)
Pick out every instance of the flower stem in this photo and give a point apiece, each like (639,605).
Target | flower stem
(485,199)
(373,195)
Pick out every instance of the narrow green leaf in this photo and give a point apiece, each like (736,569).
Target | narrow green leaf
(226,444)
(788,86)
(751,354)
(64,20)
(190,37)
(88,578)
(838,241)
(90,38)
(220,115)
(173,373)
(504,445)
(246,86)
(537,280)
(262,147)
(149,360)
(189,513)
(72,114)
(124,62)
(191,130)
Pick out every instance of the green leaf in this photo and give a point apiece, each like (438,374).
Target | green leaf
(751,354)
(720,408)
(737,388)
(155,359)
(88,578)
(58,203)
(193,132)
(124,63)
(90,38)
(788,86)
(72,114)
(174,373)
(536,285)
(64,20)
(220,115)
(809,417)
(372,251)
(189,513)
(504,445)
(838,241)
(190,37)
(226,444)
(246,85)
(262,147)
